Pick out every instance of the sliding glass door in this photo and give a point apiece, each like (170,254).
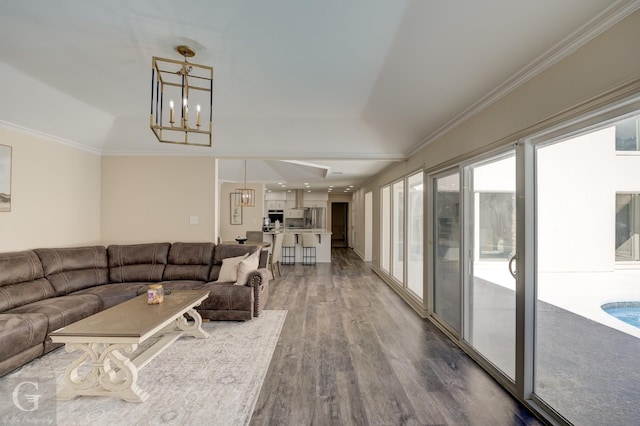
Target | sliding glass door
(385,228)
(490,238)
(397,237)
(447,250)
(535,265)
(415,234)
(587,327)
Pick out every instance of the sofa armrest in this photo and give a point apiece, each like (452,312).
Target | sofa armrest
(259,280)
(259,276)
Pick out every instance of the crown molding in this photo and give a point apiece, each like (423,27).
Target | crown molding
(49,137)
(596,26)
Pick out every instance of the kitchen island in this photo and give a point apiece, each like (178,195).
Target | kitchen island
(323,245)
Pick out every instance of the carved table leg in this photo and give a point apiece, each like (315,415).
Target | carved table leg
(112,373)
(191,329)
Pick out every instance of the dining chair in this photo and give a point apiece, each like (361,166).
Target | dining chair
(254,236)
(276,253)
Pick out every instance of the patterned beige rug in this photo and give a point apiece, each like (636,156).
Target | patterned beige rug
(214,381)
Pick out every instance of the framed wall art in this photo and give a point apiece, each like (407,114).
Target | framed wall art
(235,209)
(5,178)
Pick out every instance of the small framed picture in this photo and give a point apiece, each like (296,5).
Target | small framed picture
(235,209)
(5,178)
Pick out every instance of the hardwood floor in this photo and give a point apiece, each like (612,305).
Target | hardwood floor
(352,352)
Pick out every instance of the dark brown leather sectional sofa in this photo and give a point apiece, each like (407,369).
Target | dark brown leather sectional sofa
(43,290)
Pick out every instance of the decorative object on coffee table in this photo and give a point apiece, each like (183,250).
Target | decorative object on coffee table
(155,294)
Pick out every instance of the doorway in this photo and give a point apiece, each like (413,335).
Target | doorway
(339,224)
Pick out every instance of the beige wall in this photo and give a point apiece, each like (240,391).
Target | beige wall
(148,199)
(251,216)
(55,194)
(604,63)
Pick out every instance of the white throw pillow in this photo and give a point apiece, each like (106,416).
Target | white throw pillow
(229,269)
(247,266)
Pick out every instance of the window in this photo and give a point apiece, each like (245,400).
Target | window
(628,227)
(627,135)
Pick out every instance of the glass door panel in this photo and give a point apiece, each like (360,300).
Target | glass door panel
(397,254)
(446,251)
(490,316)
(415,235)
(586,358)
(385,234)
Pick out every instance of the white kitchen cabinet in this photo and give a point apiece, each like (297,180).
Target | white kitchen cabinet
(294,213)
(275,205)
(275,200)
(315,199)
(316,196)
(275,195)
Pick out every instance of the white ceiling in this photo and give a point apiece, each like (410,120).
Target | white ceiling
(352,85)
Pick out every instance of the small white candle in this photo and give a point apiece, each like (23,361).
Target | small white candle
(198,116)
(171,120)
(186,112)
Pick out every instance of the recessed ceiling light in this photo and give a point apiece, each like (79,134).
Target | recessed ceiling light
(288,190)
(350,186)
(330,186)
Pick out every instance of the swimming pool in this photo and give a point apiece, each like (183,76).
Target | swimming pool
(628,312)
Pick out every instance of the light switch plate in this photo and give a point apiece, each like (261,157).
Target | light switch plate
(193,220)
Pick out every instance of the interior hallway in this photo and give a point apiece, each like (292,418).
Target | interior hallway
(352,352)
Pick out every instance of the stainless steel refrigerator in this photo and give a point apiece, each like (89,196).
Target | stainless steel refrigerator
(314,217)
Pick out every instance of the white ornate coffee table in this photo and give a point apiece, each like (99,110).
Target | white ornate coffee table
(108,338)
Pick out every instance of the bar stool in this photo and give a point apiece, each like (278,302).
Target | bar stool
(309,243)
(289,249)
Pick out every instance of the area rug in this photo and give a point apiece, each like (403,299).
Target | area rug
(214,381)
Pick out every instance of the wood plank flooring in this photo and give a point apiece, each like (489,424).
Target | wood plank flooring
(352,352)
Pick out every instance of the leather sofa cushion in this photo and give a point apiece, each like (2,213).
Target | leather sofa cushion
(19,332)
(137,262)
(182,285)
(72,269)
(227,297)
(189,261)
(115,293)
(20,359)
(64,310)
(22,280)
